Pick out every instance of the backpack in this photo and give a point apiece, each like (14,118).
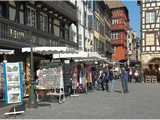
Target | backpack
(115,75)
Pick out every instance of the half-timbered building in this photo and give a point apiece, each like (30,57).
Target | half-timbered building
(150,36)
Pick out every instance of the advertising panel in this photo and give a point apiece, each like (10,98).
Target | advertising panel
(13,75)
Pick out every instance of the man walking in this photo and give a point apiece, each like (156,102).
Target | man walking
(124,80)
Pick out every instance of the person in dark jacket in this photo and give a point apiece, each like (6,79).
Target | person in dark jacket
(124,80)
(108,77)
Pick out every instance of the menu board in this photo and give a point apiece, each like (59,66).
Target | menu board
(51,77)
(13,82)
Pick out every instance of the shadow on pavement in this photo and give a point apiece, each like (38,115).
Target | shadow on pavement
(118,91)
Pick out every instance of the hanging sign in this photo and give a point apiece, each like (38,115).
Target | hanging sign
(13,76)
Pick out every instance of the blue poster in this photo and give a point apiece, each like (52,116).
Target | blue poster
(13,76)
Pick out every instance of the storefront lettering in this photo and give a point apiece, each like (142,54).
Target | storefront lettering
(16,34)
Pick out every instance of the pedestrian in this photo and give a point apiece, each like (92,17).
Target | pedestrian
(126,77)
(102,77)
(124,80)
(130,75)
(98,82)
(108,76)
(115,78)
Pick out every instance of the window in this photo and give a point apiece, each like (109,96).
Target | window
(21,14)
(150,38)
(150,17)
(90,21)
(89,4)
(62,29)
(80,17)
(56,27)
(66,32)
(85,15)
(80,41)
(150,0)
(12,13)
(115,21)
(21,19)
(31,17)
(16,15)
(50,25)
(1,11)
(115,36)
(114,49)
(43,22)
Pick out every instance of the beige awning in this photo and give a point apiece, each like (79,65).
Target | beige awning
(50,50)
(6,52)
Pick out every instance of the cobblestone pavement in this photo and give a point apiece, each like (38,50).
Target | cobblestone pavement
(141,102)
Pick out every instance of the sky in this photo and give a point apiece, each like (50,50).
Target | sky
(134,15)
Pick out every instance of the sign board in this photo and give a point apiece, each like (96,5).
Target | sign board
(51,77)
(13,75)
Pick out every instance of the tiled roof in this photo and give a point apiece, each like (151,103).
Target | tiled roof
(114,3)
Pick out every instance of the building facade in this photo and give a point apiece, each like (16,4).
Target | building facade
(120,20)
(102,29)
(85,20)
(36,23)
(94,23)
(150,36)
(132,47)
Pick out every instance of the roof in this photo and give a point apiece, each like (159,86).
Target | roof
(115,3)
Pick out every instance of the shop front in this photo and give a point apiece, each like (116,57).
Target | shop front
(152,70)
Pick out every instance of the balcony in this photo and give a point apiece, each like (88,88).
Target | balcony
(64,8)
(13,35)
(117,42)
(119,27)
(118,57)
(119,15)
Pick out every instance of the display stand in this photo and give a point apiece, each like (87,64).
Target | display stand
(61,95)
(74,94)
(13,81)
(14,112)
(51,78)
